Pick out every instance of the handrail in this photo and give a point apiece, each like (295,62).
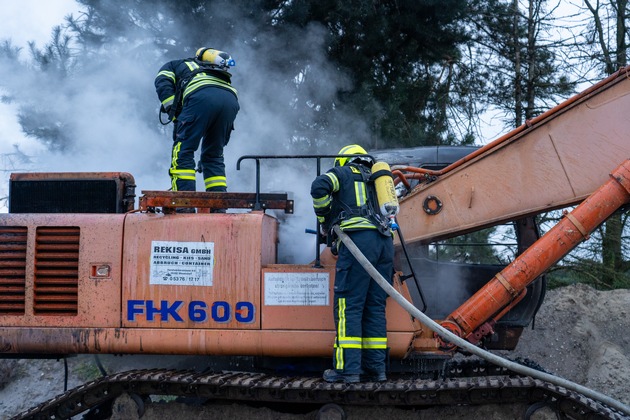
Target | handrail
(258,158)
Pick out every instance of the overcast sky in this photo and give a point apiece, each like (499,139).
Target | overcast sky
(33,20)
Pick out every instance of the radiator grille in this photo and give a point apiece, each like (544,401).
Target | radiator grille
(56,271)
(12,269)
(64,196)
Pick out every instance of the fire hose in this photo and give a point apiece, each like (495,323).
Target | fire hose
(471,348)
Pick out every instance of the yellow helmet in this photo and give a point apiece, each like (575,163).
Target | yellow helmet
(352,149)
(216,58)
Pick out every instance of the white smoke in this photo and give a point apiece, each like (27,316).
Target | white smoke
(108,113)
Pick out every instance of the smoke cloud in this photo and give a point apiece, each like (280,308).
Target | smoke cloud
(107,115)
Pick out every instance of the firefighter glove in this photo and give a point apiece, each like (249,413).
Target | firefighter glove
(334,248)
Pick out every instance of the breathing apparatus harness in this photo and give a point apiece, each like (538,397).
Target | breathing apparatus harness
(180,88)
(369,210)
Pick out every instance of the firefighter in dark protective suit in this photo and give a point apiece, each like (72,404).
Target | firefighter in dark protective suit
(198,96)
(345,196)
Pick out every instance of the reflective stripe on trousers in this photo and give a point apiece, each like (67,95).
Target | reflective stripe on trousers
(359,305)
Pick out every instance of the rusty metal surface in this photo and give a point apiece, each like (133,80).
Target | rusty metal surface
(553,161)
(179,341)
(13,241)
(242,245)
(47,176)
(214,200)
(125,182)
(60,255)
(238,386)
(56,275)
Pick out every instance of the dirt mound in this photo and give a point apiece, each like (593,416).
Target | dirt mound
(579,334)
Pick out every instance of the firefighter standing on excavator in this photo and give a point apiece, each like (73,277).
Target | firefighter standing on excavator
(198,97)
(345,196)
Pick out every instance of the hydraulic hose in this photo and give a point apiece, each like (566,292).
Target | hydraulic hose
(460,342)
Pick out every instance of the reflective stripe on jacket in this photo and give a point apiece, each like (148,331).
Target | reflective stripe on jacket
(174,71)
(341,195)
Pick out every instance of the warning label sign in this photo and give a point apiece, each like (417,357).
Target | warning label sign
(299,289)
(182,263)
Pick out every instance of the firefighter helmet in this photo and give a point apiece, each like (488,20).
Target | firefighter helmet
(352,149)
(216,58)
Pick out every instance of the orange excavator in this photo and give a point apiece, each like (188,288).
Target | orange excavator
(83,270)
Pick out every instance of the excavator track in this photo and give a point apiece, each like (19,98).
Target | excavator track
(260,387)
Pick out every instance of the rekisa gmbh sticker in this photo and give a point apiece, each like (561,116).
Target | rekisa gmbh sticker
(182,263)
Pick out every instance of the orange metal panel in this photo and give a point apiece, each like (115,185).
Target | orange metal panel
(297,298)
(301,298)
(269,250)
(168,283)
(398,319)
(100,246)
(178,341)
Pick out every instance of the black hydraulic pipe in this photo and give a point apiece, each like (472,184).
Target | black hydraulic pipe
(413,273)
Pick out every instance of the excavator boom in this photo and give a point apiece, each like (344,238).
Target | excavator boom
(555,244)
(553,161)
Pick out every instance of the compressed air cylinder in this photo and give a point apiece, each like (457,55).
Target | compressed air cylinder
(385,190)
